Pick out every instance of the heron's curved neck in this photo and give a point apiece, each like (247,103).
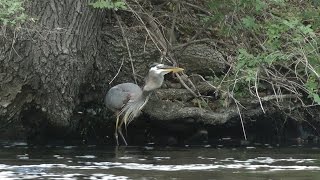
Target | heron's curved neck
(146,93)
(153,81)
(149,87)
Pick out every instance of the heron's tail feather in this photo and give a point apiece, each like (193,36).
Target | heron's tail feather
(132,110)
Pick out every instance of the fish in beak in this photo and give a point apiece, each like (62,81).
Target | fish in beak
(171,69)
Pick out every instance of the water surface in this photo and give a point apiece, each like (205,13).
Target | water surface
(17,160)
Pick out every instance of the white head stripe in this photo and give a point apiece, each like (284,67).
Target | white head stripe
(156,70)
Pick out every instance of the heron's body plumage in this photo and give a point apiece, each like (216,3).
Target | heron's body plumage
(119,95)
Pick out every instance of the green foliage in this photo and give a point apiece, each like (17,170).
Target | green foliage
(271,42)
(109,4)
(259,5)
(313,90)
(249,22)
(246,60)
(12,12)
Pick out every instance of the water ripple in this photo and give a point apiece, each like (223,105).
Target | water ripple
(259,163)
(203,167)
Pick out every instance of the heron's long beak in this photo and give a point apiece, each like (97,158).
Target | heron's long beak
(172,69)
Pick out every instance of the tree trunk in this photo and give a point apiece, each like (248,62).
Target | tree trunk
(44,62)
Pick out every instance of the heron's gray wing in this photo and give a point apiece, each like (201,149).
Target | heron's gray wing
(133,89)
(116,98)
(120,94)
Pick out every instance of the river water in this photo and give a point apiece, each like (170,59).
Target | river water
(17,160)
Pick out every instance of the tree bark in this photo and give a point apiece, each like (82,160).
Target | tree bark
(44,62)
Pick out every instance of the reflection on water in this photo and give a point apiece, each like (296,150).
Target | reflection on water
(17,160)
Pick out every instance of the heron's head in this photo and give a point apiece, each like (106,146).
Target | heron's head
(156,74)
(162,69)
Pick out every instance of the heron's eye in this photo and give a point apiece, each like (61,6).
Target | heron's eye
(160,66)
(153,65)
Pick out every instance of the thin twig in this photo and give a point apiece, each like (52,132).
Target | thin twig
(119,69)
(12,45)
(235,101)
(173,23)
(256,87)
(187,87)
(199,8)
(145,43)
(191,42)
(242,124)
(127,45)
(151,35)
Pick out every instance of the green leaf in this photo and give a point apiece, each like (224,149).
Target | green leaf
(120,5)
(260,5)
(108,4)
(316,98)
(307,30)
(249,22)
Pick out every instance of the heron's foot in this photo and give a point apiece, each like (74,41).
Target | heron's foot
(124,139)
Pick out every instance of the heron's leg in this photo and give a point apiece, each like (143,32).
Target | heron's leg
(120,132)
(116,129)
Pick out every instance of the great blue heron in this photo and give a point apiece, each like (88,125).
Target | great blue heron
(128,99)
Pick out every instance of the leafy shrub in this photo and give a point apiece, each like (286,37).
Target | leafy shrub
(276,44)
(12,12)
(109,4)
